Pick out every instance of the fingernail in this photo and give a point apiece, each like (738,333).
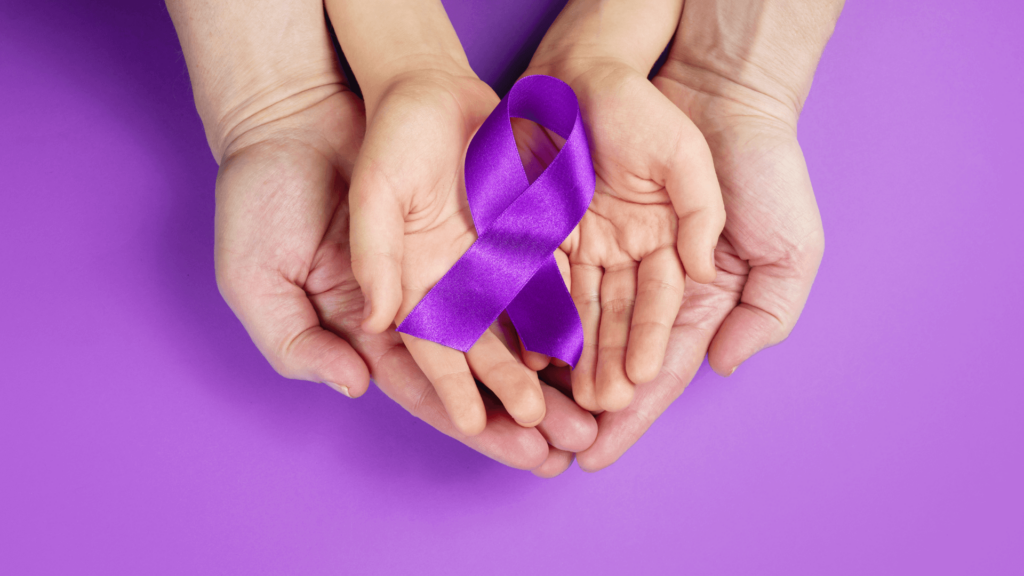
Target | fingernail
(712,258)
(366,308)
(339,388)
(731,371)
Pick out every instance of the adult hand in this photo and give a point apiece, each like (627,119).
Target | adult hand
(286,134)
(741,69)
(284,266)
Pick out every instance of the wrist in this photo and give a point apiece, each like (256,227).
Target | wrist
(251,62)
(631,33)
(578,70)
(232,115)
(568,61)
(388,41)
(421,71)
(764,50)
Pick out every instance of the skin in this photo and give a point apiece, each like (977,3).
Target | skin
(741,69)
(737,70)
(286,132)
(410,216)
(657,211)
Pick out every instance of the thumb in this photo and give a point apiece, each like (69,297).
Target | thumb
(286,329)
(693,188)
(377,236)
(772,300)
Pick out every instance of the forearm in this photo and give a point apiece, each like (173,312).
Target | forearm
(630,32)
(384,40)
(246,57)
(771,46)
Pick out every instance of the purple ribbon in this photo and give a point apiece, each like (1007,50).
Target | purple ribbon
(511,265)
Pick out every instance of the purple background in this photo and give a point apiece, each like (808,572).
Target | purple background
(142,433)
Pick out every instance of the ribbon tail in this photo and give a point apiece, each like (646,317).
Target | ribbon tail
(545,316)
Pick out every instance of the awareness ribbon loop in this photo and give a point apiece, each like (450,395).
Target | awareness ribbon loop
(511,265)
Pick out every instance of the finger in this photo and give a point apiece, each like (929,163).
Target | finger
(377,233)
(773,298)
(617,431)
(566,426)
(448,372)
(558,461)
(658,298)
(564,268)
(562,259)
(558,377)
(534,360)
(285,327)
(586,294)
(618,292)
(693,187)
(514,384)
(397,375)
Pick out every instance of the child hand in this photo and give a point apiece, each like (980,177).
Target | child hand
(411,222)
(655,219)
(409,213)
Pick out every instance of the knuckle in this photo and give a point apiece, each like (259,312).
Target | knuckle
(228,278)
(655,285)
(285,367)
(645,415)
(816,247)
(468,417)
(811,246)
(609,351)
(451,380)
(653,327)
(423,405)
(506,370)
(618,306)
(587,300)
(284,357)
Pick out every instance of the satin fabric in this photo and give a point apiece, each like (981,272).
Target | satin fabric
(511,266)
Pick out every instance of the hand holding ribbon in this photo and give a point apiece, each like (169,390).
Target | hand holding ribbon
(411,222)
(651,228)
(511,265)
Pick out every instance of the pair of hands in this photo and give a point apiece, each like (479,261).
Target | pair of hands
(284,266)
(411,222)
(283,257)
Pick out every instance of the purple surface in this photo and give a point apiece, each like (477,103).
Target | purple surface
(142,433)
